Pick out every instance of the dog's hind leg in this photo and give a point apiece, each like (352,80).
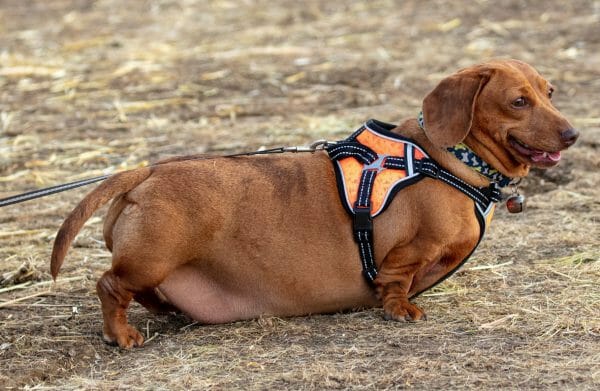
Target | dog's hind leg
(144,255)
(115,299)
(154,302)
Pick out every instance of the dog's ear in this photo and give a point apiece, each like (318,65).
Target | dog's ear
(448,109)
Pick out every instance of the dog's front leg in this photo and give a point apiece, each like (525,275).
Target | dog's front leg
(394,283)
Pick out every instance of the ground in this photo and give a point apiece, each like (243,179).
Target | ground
(91,87)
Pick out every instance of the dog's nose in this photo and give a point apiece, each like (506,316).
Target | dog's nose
(569,136)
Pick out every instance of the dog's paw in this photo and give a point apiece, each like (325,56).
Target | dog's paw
(403,312)
(126,338)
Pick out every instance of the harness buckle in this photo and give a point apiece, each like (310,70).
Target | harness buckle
(436,171)
(362,219)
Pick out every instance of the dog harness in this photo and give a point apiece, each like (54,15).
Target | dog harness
(373,164)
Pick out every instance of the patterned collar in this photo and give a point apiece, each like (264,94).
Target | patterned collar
(471,159)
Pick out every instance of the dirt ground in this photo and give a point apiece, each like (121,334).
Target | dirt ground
(90,87)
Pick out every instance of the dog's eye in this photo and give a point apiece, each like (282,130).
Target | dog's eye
(520,102)
(550,92)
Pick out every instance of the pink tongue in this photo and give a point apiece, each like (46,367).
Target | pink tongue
(539,156)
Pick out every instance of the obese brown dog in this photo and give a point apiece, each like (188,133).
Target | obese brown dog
(236,238)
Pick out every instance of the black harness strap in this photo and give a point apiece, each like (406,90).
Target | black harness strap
(354,149)
(361,210)
(482,196)
(395,162)
(363,224)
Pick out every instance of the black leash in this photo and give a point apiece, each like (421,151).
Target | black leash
(49,191)
(31,195)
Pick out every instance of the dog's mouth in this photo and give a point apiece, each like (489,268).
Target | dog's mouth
(533,155)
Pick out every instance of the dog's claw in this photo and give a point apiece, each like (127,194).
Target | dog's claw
(409,318)
(388,316)
(130,339)
(127,339)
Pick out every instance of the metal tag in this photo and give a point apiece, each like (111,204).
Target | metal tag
(515,203)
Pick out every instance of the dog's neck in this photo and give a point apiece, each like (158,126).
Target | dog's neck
(464,153)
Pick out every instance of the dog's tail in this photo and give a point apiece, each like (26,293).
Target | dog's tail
(112,187)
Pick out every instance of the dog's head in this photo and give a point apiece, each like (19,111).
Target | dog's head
(503,110)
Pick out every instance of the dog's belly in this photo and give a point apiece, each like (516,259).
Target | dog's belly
(202,298)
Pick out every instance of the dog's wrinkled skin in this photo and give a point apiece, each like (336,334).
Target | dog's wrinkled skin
(226,239)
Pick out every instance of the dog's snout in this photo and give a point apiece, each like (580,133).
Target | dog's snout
(569,136)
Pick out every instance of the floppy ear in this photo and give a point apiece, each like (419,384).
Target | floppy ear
(448,109)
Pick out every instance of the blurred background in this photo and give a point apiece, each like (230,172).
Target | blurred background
(140,80)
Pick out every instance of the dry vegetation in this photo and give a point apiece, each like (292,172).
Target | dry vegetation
(89,87)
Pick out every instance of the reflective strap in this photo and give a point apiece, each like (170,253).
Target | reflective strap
(353,149)
(409,155)
(432,169)
(365,189)
(395,163)
(367,257)
(363,224)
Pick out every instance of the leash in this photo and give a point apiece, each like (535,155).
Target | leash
(31,195)
(16,199)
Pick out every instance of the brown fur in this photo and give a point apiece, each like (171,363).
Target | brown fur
(235,238)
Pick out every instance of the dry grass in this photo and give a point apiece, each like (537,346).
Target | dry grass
(91,87)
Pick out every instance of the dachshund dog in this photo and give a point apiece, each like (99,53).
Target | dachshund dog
(226,239)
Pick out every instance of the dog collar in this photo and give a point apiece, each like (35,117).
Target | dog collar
(471,159)
(474,161)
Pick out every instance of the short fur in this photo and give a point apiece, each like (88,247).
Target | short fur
(226,239)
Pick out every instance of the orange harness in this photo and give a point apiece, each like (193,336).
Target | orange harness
(373,164)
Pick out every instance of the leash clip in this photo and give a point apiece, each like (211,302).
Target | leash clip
(321,144)
(315,146)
